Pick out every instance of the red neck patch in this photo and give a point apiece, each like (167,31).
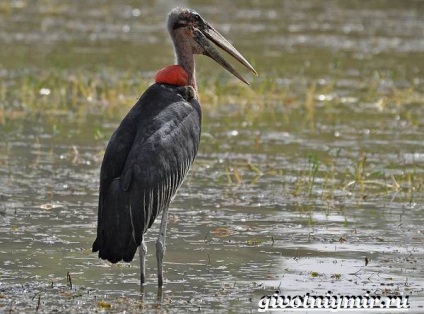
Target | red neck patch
(173,75)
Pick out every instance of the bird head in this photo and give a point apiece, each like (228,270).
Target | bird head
(201,36)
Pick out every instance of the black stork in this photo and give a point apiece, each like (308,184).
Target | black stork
(150,153)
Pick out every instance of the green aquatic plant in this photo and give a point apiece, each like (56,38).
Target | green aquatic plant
(105,91)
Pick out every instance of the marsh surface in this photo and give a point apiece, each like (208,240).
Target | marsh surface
(300,178)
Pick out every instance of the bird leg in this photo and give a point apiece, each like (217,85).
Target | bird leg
(160,246)
(142,251)
(159,297)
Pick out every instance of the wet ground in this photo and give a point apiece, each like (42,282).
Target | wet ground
(310,181)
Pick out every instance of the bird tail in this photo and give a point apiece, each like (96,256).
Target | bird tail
(116,238)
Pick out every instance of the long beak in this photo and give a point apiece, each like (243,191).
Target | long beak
(202,36)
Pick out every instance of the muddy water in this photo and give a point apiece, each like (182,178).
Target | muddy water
(295,193)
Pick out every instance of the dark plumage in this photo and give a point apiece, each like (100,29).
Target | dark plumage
(145,162)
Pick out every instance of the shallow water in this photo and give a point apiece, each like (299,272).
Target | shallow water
(282,195)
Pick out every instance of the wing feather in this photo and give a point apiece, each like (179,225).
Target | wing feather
(145,163)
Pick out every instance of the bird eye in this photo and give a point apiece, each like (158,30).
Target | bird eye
(198,20)
(197,17)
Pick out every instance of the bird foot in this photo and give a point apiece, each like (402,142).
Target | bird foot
(187,92)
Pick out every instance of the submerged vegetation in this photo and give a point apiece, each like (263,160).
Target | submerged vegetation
(111,93)
(271,99)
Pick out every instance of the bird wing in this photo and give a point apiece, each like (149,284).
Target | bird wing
(146,161)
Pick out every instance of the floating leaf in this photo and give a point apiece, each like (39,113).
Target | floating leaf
(336,276)
(104,305)
(254,241)
(222,232)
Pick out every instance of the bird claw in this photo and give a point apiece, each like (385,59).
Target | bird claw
(187,92)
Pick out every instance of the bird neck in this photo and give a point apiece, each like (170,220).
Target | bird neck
(185,58)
